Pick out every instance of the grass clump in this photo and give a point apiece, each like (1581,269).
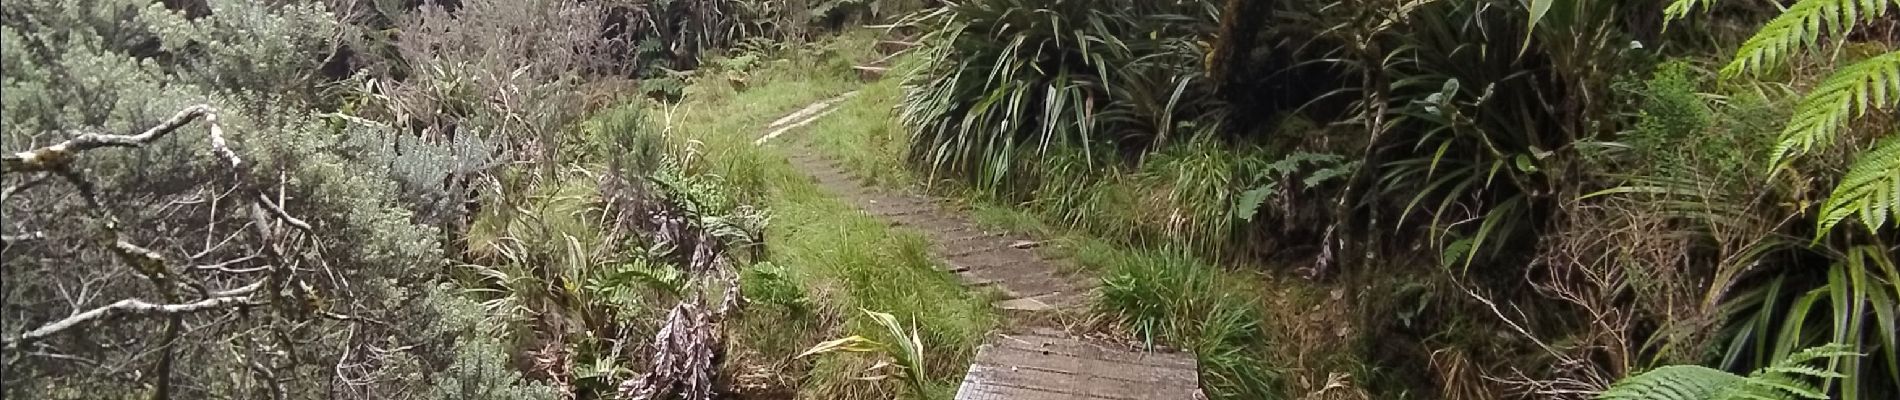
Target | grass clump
(1170,298)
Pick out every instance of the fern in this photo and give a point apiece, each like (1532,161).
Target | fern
(1674,382)
(1792,377)
(1871,189)
(1801,25)
(1680,9)
(1849,92)
(1328,167)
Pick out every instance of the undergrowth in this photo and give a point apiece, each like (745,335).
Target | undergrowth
(1118,226)
(840,261)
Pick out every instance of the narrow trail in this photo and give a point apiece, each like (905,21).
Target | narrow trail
(1031,359)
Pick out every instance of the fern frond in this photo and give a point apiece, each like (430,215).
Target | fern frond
(1680,9)
(1849,92)
(1792,376)
(1789,378)
(1871,189)
(1801,25)
(1674,382)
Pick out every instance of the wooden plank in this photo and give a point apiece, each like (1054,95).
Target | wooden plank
(1034,367)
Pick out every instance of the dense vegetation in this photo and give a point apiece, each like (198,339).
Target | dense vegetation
(505,199)
(1588,176)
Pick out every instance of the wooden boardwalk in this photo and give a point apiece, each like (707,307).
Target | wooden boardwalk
(1055,367)
(1045,363)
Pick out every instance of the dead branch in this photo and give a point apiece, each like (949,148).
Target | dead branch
(265,202)
(230,298)
(59,156)
(56,160)
(36,180)
(34,235)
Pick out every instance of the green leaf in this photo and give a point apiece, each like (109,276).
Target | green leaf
(1538,9)
(1801,25)
(1847,93)
(1674,382)
(852,344)
(1454,251)
(1249,202)
(1525,164)
(1869,190)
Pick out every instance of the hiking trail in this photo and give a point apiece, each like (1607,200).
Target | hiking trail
(1030,358)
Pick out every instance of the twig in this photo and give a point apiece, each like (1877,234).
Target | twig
(225,266)
(281,215)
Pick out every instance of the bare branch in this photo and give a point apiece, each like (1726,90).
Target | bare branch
(133,307)
(226,266)
(34,235)
(60,155)
(281,215)
(36,180)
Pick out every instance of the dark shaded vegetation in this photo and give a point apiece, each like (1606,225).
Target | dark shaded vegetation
(368,199)
(1587,178)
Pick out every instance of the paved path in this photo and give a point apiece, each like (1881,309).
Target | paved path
(1040,363)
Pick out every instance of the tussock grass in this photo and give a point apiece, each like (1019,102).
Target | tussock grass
(1170,298)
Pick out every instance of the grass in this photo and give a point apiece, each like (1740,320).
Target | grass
(843,260)
(1166,296)
(1119,227)
(863,135)
(1238,321)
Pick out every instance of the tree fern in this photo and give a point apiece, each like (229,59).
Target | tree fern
(1870,190)
(1790,378)
(1847,93)
(1801,25)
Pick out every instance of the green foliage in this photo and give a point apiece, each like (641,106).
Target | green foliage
(837,258)
(1014,78)
(301,32)
(1674,382)
(1319,169)
(480,371)
(450,71)
(1790,378)
(906,348)
(1168,298)
(120,66)
(768,283)
(1466,133)
(1826,111)
(1800,26)
(1851,305)
(1870,190)
(1672,113)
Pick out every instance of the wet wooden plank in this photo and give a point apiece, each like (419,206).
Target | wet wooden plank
(1034,367)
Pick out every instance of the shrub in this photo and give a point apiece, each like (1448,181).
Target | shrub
(1009,79)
